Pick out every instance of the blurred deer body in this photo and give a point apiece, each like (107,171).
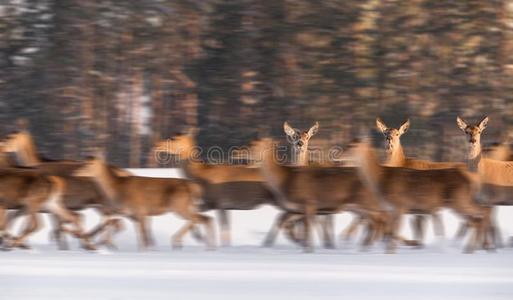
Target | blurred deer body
(396,158)
(23,146)
(496,176)
(79,194)
(140,197)
(403,190)
(224,187)
(315,190)
(34,193)
(300,157)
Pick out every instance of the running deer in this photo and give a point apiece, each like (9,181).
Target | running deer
(397,158)
(225,187)
(22,144)
(424,191)
(79,194)
(496,176)
(141,197)
(310,191)
(300,157)
(34,193)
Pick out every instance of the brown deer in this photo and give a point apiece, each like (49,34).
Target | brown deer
(141,197)
(397,158)
(34,193)
(79,194)
(496,176)
(424,191)
(314,190)
(300,157)
(225,187)
(22,144)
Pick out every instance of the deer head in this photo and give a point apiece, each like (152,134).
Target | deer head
(182,145)
(392,135)
(473,132)
(299,139)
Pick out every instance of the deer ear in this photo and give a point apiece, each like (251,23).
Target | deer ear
(404,127)
(461,124)
(313,130)
(381,125)
(483,123)
(288,129)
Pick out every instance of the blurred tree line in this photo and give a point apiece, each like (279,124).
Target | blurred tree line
(121,75)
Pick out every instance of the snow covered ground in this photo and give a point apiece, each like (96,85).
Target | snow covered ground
(247,271)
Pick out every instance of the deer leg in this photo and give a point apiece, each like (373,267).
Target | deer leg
(280,221)
(176,239)
(462,231)
(32,225)
(309,219)
(209,227)
(3,224)
(107,228)
(373,228)
(328,225)
(438,225)
(472,243)
(350,231)
(116,225)
(66,216)
(9,219)
(419,229)
(225,227)
(292,230)
(57,235)
(497,234)
(141,225)
(194,219)
(196,234)
(474,220)
(494,230)
(318,222)
(393,231)
(488,230)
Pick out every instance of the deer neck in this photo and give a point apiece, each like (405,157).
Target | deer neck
(271,170)
(370,167)
(193,169)
(26,151)
(300,157)
(396,157)
(474,157)
(109,183)
(371,173)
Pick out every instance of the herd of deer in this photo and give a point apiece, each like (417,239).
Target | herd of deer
(307,196)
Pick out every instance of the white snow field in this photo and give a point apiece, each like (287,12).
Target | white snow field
(248,271)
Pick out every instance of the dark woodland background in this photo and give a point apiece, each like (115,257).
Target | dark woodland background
(121,75)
